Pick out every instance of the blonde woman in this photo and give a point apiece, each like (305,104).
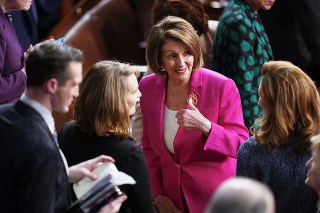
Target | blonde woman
(108,96)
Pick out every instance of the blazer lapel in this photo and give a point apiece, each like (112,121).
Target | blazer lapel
(159,103)
(195,87)
(34,115)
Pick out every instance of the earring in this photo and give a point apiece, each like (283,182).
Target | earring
(162,69)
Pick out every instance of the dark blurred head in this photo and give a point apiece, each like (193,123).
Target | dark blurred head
(190,10)
(242,195)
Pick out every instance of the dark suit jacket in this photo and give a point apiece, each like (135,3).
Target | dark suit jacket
(26,26)
(34,25)
(78,146)
(33,176)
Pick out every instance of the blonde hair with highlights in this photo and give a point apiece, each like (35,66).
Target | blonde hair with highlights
(293,103)
(101,107)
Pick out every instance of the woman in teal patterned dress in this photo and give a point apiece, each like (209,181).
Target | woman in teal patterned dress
(241,46)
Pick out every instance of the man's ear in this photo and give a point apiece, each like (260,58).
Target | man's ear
(51,85)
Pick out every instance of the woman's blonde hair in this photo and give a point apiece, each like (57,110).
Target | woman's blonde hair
(101,107)
(293,105)
(173,28)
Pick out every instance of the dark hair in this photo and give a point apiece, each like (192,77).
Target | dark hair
(50,60)
(190,10)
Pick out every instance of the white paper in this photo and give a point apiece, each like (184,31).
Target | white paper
(117,178)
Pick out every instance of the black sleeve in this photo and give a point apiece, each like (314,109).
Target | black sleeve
(37,177)
(139,195)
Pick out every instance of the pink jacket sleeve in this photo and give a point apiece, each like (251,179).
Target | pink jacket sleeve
(229,132)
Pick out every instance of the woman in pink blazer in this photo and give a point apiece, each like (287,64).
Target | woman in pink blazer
(192,120)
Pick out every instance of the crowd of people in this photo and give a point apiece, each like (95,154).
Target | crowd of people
(242,137)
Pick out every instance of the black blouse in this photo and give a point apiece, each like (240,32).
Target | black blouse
(78,146)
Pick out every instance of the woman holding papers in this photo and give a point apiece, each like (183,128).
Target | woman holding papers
(107,98)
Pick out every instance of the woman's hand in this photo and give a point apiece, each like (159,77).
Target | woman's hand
(192,119)
(165,205)
(84,169)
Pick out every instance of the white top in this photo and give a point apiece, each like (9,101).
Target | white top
(47,116)
(170,128)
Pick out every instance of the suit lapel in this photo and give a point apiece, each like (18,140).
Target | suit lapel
(159,102)
(28,111)
(195,87)
(32,114)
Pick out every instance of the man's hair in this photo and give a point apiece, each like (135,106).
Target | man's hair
(190,10)
(50,60)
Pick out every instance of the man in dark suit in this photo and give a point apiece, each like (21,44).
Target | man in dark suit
(34,174)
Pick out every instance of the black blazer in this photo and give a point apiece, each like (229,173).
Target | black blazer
(33,176)
(78,146)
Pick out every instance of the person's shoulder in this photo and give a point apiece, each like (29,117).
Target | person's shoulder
(149,79)
(124,147)
(69,126)
(147,83)
(251,146)
(69,130)
(207,73)
(233,15)
(17,127)
(213,76)
(128,143)
(6,110)
(13,118)
(11,123)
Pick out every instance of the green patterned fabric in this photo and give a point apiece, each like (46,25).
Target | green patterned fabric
(241,46)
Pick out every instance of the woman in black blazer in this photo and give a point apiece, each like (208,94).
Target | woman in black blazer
(107,98)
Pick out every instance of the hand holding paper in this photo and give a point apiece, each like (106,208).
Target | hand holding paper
(117,178)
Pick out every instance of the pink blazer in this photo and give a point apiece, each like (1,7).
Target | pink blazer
(199,164)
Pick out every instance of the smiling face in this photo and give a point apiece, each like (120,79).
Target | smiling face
(66,93)
(257,4)
(133,94)
(177,61)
